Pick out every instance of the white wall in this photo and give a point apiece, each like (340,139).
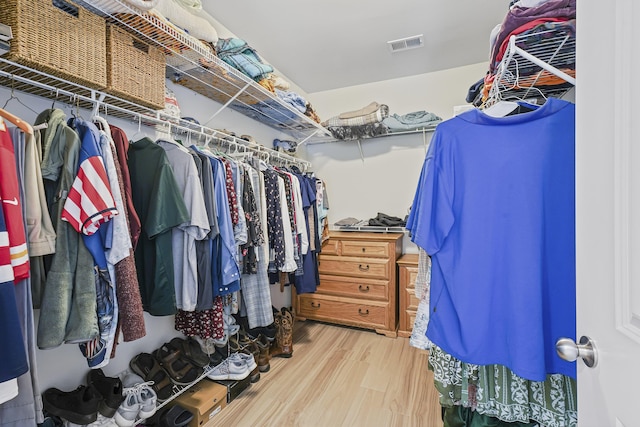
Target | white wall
(385,181)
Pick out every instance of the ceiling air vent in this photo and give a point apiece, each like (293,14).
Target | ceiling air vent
(406,43)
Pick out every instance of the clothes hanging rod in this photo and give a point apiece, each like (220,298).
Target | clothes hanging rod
(96,99)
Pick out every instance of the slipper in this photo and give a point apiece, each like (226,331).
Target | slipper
(148,368)
(191,351)
(180,371)
(176,416)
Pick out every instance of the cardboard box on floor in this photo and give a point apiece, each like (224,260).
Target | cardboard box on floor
(204,400)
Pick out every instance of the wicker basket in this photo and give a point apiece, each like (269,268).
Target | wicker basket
(135,69)
(59,38)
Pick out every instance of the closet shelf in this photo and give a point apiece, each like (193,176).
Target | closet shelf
(368,228)
(18,77)
(330,139)
(193,64)
(530,60)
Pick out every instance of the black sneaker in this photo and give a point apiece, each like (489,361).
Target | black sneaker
(79,406)
(110,389)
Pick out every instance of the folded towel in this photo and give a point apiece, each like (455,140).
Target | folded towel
(109,6)
(411,121)
(361,112)
(293,99)
(278,82)
(237,53)
(195,7)
(194,25)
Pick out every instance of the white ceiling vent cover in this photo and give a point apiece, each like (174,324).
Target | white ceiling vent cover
(406,43)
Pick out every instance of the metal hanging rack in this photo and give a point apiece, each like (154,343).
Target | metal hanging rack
(24,79)
(193,64)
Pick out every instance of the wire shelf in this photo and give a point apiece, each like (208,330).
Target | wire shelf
(21,78)
(193,64)
(537,64)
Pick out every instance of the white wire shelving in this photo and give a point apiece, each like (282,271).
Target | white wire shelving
(193,64)
(530,60)
(20,78)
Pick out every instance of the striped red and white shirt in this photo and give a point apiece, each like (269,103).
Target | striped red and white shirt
(90,202)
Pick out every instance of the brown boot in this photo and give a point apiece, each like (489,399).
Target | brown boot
(283,345)
(263,358)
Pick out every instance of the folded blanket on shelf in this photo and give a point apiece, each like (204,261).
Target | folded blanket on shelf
(311,113)
(371,108)
(110,6)
(293,99)
(410,121)
(368,130)
(237,53)
(192,24)
(375,116)
(278,82)
(195,7)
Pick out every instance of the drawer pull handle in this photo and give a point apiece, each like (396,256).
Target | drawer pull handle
(363,268)
(315,305)
(363,288)
(363,313)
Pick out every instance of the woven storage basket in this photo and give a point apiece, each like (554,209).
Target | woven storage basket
(135,69)
(59,38)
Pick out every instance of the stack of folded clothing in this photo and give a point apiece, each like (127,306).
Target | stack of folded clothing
(411,121)
(363,123)
(238,54)
(384,220)
(540,21)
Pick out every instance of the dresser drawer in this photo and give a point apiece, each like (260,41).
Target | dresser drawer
(411,300)
(330,247)
(354,287)
(364,249)
(410,273)
(376,268)
(343,310)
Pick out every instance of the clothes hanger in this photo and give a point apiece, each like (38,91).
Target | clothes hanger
(13,96)
(17,121)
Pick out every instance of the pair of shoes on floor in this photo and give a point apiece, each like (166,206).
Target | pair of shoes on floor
(237,366)
(102,395)
(140,401)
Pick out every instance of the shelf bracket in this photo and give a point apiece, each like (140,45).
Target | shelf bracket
(226,104)
(309,137)
(361,153)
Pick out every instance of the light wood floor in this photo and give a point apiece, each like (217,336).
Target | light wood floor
(340,376)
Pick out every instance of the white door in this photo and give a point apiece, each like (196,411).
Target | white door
(608,210)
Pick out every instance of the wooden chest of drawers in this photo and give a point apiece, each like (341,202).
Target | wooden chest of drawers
(408,302)
(358,284)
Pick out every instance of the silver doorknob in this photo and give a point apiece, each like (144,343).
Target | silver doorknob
(568,350)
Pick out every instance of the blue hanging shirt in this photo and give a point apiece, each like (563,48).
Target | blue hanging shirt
(495,209)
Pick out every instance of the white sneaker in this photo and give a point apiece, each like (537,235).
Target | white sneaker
(246,358)
(229,369)
(140,401)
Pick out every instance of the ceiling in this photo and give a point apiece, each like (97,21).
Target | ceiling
(328,44)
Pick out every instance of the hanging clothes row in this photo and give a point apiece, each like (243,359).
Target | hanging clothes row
(95,230)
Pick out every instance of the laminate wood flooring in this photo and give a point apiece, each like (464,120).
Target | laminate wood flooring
(340,376)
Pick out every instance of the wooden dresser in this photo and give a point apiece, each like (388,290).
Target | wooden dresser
(357,282)
(408,302)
